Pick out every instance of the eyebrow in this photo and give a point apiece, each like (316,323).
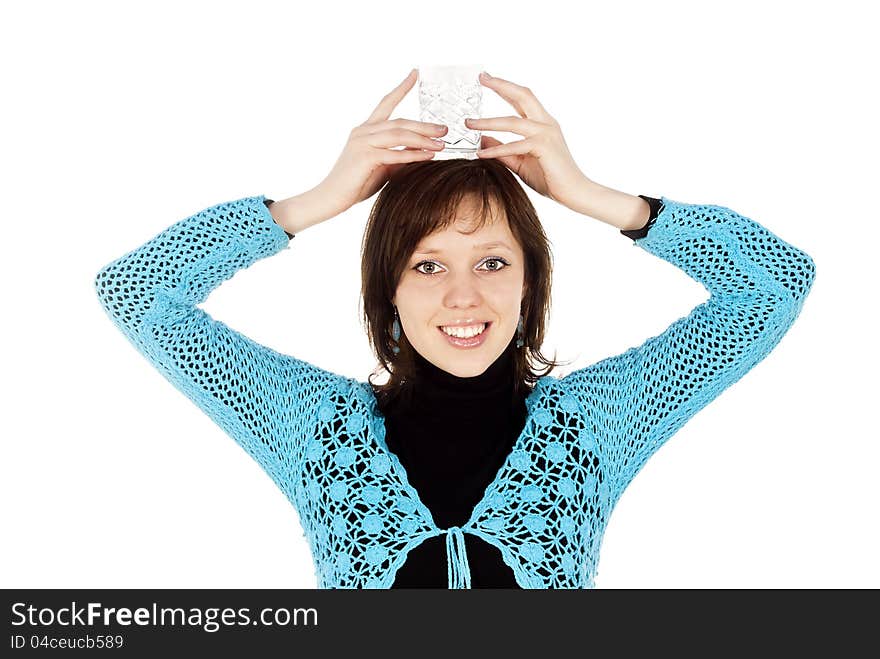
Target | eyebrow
(496,243)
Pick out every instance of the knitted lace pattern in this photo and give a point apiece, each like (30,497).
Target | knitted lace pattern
(321,438)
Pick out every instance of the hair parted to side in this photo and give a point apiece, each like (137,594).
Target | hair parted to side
(421,198)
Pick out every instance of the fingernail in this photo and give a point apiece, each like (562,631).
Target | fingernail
(485,75)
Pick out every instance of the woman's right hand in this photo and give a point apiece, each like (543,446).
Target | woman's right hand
(368,161)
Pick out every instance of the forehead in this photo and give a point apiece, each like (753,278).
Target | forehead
(462,232)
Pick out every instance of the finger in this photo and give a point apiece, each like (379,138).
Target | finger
(401,136)
(386,105)
(512,162)
(390,156)
(487,140)
(519,147)
(518,125)
(422,127)
(521,98)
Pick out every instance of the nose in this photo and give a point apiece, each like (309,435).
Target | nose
(463,290)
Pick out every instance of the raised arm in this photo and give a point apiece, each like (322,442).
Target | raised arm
(757,282)
(259,397)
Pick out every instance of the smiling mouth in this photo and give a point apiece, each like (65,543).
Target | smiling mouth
(468,342)
(485,326)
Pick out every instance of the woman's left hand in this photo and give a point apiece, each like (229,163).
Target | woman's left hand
(542,160)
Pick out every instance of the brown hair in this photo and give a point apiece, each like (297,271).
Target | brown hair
(421,198)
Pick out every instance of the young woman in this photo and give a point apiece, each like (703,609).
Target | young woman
(466,468)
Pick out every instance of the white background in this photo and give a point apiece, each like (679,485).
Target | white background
(120,119)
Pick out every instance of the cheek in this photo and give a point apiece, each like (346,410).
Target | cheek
(407,293)
(511,294)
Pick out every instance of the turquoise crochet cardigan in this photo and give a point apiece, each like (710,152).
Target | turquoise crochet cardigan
(321,438)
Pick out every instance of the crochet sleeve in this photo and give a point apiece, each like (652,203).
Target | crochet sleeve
(258,396)
(635,401)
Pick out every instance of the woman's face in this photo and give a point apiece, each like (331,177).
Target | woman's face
(452,277)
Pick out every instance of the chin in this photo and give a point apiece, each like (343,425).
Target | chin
(472,363)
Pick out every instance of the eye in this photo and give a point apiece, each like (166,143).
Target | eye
(490,259)
(497,260)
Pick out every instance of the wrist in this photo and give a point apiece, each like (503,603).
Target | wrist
(297,213)
(619,209)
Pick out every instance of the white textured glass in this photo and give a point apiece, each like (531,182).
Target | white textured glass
(448,95)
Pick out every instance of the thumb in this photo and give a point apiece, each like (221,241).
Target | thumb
(487,141)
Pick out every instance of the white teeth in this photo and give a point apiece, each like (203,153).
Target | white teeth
(464,332)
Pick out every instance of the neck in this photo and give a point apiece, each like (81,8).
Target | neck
(434,389)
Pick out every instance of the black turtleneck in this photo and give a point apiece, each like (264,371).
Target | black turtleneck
(452,435)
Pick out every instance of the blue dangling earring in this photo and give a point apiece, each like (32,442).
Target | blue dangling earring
(519,332)
(395,332)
